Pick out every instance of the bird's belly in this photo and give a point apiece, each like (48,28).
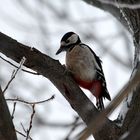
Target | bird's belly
(83,72)
(81,63)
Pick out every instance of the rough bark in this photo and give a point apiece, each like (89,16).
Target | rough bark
(133,114)
(134,134)
(7,130)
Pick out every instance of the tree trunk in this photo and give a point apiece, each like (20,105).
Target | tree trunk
(7,130)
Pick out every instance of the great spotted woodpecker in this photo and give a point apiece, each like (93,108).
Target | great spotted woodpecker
(85,67)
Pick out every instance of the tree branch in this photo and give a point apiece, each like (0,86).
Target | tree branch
(132,15)
(7,130)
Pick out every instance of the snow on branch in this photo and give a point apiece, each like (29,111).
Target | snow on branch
(121,4)
(124,109)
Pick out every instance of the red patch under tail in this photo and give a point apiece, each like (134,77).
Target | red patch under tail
(96,89)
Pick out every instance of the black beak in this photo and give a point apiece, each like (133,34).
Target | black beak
(59,50)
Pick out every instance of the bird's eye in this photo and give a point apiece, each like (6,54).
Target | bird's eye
(67,41)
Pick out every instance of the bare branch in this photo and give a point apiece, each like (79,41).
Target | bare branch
(14,74)
(14,108)
(74,126)
(31,121)
(22,134)
(17,66)
(31,103)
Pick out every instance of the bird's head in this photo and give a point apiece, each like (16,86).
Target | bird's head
(68,41)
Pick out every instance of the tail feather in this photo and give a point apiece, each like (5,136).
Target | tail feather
(100,104)
(106,95)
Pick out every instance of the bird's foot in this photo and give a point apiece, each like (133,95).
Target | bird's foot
(66,71)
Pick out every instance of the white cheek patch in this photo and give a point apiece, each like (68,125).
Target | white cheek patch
(63,43)
(73,38)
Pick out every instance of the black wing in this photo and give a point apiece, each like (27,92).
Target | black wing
(100,74)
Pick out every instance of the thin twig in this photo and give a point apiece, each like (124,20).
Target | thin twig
(23,134)
(35,73)
(31,121)
(23,128)
(14,108)
(74,126)
(14,74)
(31,103)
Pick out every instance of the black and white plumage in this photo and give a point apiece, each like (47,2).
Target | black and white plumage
(85,66)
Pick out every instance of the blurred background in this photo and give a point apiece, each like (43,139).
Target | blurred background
(41,24)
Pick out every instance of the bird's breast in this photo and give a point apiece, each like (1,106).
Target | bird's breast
(79,61)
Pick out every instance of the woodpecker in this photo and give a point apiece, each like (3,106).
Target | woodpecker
(85,67)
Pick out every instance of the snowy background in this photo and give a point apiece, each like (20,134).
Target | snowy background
(41,24)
